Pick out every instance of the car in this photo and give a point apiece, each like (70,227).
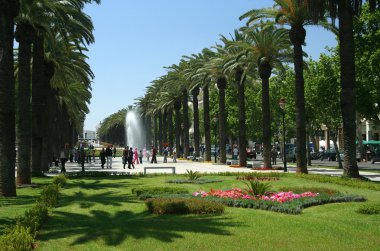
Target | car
(251,154)
(376,156)
(358,155)
(329,154)
(291,154)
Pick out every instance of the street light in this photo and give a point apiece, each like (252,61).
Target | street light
(282,106)
(216,121)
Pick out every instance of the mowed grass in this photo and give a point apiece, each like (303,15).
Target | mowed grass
(102,214)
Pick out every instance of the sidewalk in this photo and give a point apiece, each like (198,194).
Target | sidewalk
(202,167)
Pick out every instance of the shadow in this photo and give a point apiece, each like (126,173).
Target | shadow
(19,200)
(114,229)
(89,200)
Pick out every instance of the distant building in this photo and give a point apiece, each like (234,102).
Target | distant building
(89,135)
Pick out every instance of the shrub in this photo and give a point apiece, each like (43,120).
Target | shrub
(309,189)
(259,177)
(351,182)
(159,190)
(16,238)
(192,175)
(33,218)
(257,188)
(183,206)
(60,180)
(373,208)
(49,195)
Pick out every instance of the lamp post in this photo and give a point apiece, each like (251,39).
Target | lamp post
(216,127)
(282,106)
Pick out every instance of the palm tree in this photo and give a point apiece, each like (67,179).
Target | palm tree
(269,47)
(296,14)
(345,11)
(8,11)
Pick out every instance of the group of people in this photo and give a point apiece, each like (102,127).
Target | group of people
(131,157)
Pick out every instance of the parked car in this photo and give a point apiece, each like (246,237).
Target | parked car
(376,156)
(291,154)
(358,155)
(329,154)
(251,154)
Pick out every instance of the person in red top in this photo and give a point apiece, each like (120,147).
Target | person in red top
(154,155)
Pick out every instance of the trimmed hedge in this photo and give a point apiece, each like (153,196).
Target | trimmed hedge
(351,182)
(309,189)
(290,207)
(154,192)
(198,181)
(183,206)
(373,208)
(21,236)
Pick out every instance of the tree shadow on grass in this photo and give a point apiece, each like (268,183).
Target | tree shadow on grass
(114,229)
(19,200)
(89,200)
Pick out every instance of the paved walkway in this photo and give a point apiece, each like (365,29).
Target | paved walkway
(183,165)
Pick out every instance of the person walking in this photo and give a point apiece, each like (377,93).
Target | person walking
(154,155)
(166,152)
(130,159)
(235,153)
(82,154)
(109,157)
(63,158)
(135,156)
(274,156)
(102,157)
(174,155)
(141,156)
(114,151)
(125,156)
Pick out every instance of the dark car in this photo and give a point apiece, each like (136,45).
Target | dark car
(376,156)
(251,154)
(329,154)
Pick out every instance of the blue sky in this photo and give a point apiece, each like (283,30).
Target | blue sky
(134,40)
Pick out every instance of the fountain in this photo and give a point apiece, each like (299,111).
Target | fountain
(134,130)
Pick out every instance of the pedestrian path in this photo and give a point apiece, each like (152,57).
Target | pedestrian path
(203,167)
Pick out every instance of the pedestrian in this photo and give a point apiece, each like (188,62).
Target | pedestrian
(89,154)
(109,157)
(114,151)
(130,159)
(135,156)
(274,156)
(154,155)
(166,153)
(174,155)
(235,153)
(125,156)
(102,157)
(82,154)
(147,156)
(141,156)
(63,158)
(72,154)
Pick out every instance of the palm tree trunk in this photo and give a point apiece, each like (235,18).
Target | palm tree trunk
(177,108)
(155,130)
(195,94)
(37,104)
(159,131)
(170,129)
(347,96)
(8,11)
(165,128)
(24,35)
(148,130)
(242,128)
(185,123)
(222,84)
(206,122)
(297,37)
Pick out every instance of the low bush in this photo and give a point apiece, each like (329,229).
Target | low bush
(33,218)
(373,208)
(255,188)
(351,182)
(183,206)
(198,181)
(159,190)
(60,180)
(192,175)
(16,238)
(260,177)
(309,189)
(95,174)
(49,195)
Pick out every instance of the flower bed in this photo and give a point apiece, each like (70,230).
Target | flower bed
(283,202)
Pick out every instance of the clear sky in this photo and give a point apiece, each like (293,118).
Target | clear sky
(134,40)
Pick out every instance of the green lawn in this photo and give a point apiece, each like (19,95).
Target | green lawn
(102,214)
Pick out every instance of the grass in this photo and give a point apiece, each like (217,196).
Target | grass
(103,214)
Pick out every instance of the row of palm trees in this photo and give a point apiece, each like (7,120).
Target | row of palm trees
(45,85)
(255,52)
